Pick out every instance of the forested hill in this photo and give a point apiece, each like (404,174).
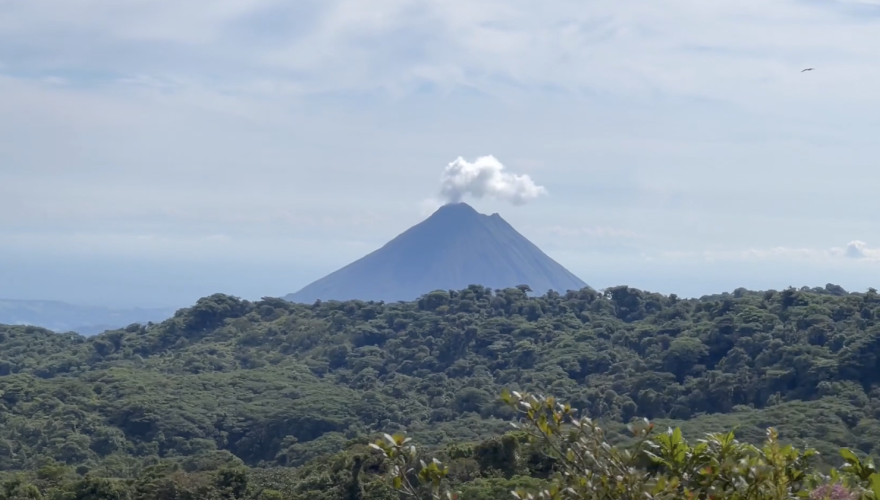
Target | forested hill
(276,383)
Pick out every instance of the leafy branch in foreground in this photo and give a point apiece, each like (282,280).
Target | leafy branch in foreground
(403,458)
(651,466)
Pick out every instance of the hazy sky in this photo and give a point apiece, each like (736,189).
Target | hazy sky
(155,151)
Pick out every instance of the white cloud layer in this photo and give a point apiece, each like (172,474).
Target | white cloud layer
(855,250)
(749,51)
(682,121)
(592,232)
(486,178)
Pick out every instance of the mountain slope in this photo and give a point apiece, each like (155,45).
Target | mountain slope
(64,317)
(452,249)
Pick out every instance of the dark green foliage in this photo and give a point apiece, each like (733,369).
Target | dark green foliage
(231,383)
(656,466)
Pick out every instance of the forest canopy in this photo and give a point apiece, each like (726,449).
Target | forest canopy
(232,385)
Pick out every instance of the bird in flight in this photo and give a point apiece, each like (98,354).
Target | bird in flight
(808,69)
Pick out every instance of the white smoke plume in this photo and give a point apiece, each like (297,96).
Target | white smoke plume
(486,177)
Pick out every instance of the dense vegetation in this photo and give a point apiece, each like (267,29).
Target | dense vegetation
(572,459)
(232,397)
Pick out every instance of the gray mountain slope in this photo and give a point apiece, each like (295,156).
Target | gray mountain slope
(452,249)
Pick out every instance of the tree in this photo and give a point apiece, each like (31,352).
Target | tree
(652,466)
(683,354)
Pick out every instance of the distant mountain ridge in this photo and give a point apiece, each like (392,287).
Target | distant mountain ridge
(86,320)
(452,249)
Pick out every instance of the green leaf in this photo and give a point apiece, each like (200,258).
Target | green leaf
(848,455)
(505,396)
(676,435)
(875,485)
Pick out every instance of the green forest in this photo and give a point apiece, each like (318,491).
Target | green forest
(273,400)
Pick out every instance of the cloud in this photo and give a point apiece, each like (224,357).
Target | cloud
(259,118)
(855,250)
(168,247)
(859,250)
(486,178)
(594,232)
(628,47)
(786,252)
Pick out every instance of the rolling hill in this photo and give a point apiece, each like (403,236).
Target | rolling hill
(85,320)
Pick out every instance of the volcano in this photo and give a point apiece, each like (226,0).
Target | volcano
(450,250)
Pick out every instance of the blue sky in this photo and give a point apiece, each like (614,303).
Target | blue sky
(155,151)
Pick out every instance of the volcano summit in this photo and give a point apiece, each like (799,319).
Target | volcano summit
(450,250)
